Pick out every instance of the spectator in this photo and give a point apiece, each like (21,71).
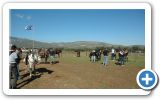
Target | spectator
(13,69)
(93,56)
(105,54)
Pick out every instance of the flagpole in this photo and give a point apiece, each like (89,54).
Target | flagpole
(33,40)
(33,44)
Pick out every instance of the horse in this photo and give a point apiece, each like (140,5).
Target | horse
(58,52)
(78,53)
(126,56)
(44,53)
(33,59)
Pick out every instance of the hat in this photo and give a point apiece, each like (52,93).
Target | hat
(13,47)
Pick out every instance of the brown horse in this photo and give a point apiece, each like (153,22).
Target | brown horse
(126,56)
(44,53)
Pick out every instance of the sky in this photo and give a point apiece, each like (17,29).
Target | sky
(115,26)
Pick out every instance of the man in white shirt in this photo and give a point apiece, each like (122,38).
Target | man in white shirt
(112,54)
(13,71)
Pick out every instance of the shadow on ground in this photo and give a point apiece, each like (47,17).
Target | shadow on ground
(36,74)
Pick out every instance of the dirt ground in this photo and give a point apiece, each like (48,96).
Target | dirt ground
(79,73)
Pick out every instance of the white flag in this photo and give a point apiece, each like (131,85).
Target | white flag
(29,27)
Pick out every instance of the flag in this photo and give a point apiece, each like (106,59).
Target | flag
(29,27)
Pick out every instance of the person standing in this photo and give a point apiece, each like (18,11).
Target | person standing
(113,54)
(19,54)
(121,57)
(105,54)
(93,57)
(52,56)
(26,60)
(13,69)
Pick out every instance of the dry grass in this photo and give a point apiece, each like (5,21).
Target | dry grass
(79,73)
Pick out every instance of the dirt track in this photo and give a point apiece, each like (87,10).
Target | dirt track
(89,75)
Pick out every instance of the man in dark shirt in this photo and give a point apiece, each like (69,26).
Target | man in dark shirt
(105,54)
(121,57)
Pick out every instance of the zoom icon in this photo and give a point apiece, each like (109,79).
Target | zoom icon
(147,79)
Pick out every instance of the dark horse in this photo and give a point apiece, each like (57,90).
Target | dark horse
(78,53)
(58,52)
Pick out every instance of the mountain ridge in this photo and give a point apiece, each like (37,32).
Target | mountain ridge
(27,43)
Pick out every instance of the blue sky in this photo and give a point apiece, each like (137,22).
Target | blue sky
(125,27)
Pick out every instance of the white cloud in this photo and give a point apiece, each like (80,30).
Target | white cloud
(19,16)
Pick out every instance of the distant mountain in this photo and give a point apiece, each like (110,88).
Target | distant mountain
(27,43)
(83,44)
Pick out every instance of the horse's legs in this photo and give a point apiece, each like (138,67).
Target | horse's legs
(27,66)
(61,54)
(30,69)
(33,68)
(30,72)
(126,59)
(58,55)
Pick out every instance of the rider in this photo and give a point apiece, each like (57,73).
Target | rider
(13,69)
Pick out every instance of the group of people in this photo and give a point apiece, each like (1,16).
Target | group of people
(95,55)
(31,59)
(15,55)
(14,60)
(120,61)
